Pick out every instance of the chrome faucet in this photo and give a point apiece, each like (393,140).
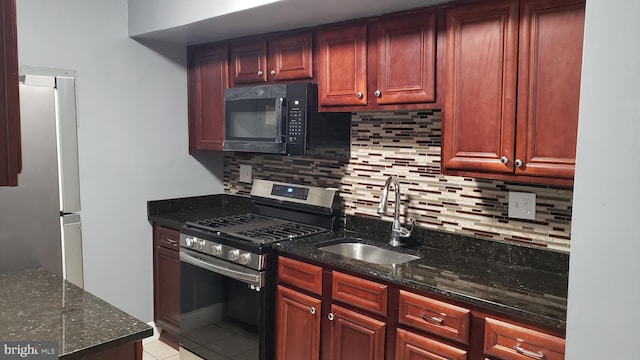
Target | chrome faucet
(397,230)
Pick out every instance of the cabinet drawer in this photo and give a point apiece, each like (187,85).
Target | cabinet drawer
(512,342)
(168,238)
(436,317)
(414,346)
(364,294)
(302,275)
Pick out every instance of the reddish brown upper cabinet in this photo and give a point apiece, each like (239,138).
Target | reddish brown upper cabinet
(10,155)
(208,76)
(342,66)
(512,83)
(385,64)
(282,58)
(549,71)
(406,50)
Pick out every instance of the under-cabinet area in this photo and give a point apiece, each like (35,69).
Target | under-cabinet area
(355,317)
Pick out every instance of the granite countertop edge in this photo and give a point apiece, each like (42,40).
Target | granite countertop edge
(95,349)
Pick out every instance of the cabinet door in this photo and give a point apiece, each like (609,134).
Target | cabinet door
(407,59)
(416,347)
(208,77)
(249,62)
(10,156)
(356,336)
(478,121)
(167,289)
(291,58)
(549,70)
(297,325)
(342,62)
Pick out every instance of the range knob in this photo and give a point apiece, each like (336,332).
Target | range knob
(233,255)
(216,250)
(244,258)
(201,244)
(190,241)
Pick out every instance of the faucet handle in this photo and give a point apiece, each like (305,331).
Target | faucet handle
(404,232)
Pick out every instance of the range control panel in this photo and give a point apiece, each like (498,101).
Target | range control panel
(292,192)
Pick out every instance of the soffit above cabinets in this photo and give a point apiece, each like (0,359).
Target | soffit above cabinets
(198,21)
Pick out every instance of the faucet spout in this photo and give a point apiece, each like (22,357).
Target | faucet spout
(397,230)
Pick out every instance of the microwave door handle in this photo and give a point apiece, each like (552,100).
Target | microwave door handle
(279,120)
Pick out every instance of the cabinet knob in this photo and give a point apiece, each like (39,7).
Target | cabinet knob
(517,163)
(377,93)
(312,310)
(272,72)
(359,95)
(260,72)
(504,160)
(330,316)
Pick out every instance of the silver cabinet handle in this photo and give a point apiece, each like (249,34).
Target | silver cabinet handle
(504,160)
(359,95)
(312,310)
(272,72)
(431,319)
(330,316)
(377,93)
(517,163)
(260,72)
(171,241)
(529,353)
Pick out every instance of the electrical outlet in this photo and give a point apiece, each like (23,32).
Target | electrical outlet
(522,205)
(245,174)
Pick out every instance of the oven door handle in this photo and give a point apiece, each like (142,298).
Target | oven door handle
(222,267)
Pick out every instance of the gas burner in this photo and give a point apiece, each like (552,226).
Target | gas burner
(256,228)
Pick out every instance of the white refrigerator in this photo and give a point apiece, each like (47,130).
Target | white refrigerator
(40,218)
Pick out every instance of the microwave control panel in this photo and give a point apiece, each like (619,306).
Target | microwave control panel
(296,122)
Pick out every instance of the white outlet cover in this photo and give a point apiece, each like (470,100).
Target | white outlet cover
(522,205)
(245,174)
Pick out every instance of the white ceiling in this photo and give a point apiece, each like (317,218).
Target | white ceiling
(276,16)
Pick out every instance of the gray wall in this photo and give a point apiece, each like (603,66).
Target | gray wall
(132,104)
(604,281)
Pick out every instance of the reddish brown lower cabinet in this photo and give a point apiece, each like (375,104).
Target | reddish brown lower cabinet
(356,336)
(10,155)
(508,341)
(344,321)
(166,281)
(298,330)
(416,347)
(208,76)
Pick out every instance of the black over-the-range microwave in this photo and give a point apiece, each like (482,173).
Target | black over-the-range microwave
(281,119)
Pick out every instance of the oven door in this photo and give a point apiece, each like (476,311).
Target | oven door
(223,308)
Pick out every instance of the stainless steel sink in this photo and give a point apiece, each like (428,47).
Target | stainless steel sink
(369,253)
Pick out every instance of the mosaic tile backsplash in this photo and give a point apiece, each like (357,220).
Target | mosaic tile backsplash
(407,144)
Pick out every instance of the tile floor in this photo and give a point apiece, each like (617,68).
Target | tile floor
(157,350)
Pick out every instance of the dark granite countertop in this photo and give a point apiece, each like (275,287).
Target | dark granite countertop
(533,295)
(527,283)
(36,305)
(173,213)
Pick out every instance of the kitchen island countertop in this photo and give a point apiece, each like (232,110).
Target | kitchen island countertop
(36,305)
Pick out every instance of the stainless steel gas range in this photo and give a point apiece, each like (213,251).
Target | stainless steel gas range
(228,269)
